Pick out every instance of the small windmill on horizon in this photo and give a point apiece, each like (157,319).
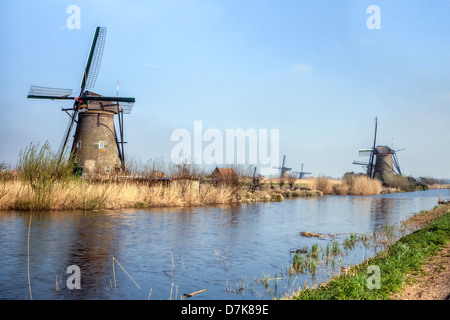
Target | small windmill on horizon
(97,146)
(302,174)
(284,171)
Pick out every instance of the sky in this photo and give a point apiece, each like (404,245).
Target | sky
(313,70)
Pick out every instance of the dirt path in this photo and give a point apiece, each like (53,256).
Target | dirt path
(433,283)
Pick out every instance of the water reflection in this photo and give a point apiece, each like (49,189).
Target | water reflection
(172,251)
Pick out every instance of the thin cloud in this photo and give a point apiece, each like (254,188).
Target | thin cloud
(302,68)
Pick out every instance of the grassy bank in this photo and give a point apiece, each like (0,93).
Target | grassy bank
(72,193)
(41,182)
(80,194)
(402,258)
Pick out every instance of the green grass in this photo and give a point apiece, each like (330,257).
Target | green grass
(406,256)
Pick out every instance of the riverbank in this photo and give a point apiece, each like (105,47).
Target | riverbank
(71,193)
(79,194)
(409,257)
(433,283)
(43,182)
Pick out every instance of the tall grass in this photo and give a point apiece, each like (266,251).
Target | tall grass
(349,185)
(41,173)
(359,185)
(323,184)
(89,195)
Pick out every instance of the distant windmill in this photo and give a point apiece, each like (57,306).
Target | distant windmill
(256,181)
(97,147)
(301,174)
(382,159)
(284,172)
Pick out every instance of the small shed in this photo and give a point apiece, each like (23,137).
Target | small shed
(223,174)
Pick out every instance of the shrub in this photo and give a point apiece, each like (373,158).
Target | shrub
(397,181)
(277,197)
(323,184)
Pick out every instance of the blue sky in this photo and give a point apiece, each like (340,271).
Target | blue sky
(311,69)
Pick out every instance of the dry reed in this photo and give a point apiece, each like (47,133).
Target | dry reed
(354,185)
(362,185)
(86,195)
(323,184)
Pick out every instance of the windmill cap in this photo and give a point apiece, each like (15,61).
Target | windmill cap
(384,150)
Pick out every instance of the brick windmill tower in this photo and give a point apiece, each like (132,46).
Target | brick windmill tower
(97,145)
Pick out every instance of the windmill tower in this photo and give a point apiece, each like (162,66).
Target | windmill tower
(382,159)
(97,145)
(284,172)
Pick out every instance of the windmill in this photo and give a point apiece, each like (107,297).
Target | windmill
(97,146)
(256,181)
(301,174)
(284,172)
(382,159)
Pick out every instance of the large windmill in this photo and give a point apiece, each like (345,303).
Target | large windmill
(382,159)
(284,172)
(97,146)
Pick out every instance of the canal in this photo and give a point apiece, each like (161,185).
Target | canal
(226,252)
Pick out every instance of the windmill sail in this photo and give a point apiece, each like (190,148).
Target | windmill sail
(94,60)
(37,92)
(69,129)
(365,152)
(63,141)
(89,76)
(126,107)
(361,163)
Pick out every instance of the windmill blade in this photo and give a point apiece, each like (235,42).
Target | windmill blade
(94,60)
(375,136)
(118,145)
(360,163)
(63,140)
(126,107)
(68,130)
(396,164)
(371,165)
(37,92)
(284,160)
(364,152)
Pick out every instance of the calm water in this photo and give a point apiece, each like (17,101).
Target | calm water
(170,252)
